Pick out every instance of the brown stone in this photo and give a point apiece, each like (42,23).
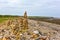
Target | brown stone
(25,15)
(25,21)
(4,38)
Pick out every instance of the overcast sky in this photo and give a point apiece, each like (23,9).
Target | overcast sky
(33,7)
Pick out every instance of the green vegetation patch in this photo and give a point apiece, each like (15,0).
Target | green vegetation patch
(6,17)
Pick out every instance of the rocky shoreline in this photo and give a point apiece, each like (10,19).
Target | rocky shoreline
(37,30)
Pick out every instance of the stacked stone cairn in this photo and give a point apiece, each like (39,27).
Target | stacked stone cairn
(23,26)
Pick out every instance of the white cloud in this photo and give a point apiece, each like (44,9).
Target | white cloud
(10,3)
(29,5)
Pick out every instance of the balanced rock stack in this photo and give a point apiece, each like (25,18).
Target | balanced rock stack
(25,21)
(23,26)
